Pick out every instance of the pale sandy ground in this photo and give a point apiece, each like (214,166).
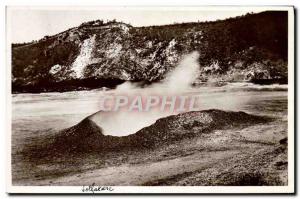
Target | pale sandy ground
(252,155)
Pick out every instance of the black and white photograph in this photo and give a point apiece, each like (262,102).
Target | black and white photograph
(150,99)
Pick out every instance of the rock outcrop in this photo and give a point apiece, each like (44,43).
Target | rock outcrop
(97,54)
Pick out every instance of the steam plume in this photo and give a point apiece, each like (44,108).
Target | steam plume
(123,123)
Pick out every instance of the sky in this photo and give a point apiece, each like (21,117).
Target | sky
(32,23)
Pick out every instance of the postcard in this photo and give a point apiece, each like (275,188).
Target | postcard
(165,100)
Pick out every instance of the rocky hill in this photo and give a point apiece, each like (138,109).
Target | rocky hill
(96,54)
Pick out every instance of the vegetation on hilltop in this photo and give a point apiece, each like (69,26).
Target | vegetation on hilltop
(249,47)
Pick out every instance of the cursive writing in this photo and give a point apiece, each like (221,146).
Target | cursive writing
(93,188)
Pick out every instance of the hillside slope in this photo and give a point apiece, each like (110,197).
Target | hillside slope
(96,54)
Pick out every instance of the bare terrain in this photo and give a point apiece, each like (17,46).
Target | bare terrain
(248,150)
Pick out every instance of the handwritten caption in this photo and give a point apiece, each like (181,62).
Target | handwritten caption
(94,188)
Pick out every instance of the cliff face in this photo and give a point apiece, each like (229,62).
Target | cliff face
(97,54)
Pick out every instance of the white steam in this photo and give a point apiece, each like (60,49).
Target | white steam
(122,123)
(184,74)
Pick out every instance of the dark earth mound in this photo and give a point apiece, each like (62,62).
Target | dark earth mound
(210,147)
(87,136)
